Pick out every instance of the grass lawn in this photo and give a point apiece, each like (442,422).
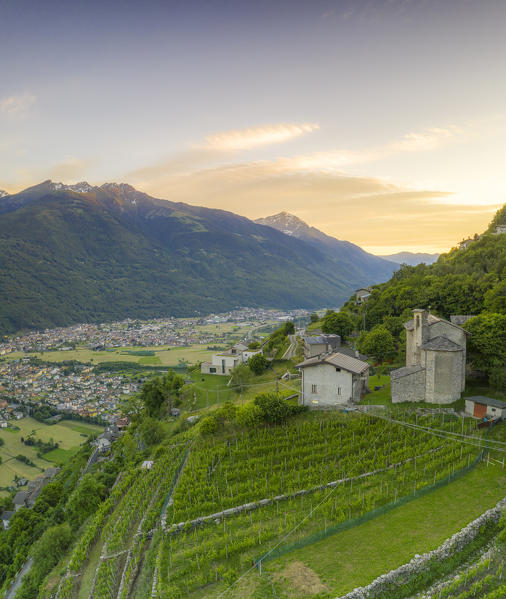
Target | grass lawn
(68,434)
(61,456)
(357,556)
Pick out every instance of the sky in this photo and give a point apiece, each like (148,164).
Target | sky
(380,122)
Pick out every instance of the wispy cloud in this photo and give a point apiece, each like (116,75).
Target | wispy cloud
(245,139)
(70,169)
(17,105)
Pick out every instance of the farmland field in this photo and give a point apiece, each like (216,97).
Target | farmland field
(68,434)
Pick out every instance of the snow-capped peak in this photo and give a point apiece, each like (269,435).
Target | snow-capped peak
(285,222)
(3,193)
(82,187)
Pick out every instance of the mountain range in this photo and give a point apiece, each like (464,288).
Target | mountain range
(74,253)
(411,258)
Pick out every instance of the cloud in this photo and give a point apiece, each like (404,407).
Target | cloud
(70,170)
(17,105)
(245,139)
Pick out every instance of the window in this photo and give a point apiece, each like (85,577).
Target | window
(212,369)
(339,390)
(338,369)
(313,389)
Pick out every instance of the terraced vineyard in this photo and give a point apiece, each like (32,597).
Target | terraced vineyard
(123,523)
(283,484)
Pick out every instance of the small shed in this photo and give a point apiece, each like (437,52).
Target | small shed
(485,407)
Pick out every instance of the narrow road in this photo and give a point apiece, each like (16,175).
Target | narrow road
(18,580)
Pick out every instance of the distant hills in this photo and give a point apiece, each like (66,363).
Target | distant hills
(412,259)
(74,253)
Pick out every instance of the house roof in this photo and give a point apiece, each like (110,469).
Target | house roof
(460,319)
(349,351)
(441,343)
(315,340)
(337,359)
(7,515)
(431,319)
(487,401)
(405,371)
(20,497)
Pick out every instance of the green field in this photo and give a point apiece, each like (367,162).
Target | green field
(68,434)
(349,559)
(163,356)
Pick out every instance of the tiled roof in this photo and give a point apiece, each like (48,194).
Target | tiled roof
(441,344)
(400,372)
(337,359)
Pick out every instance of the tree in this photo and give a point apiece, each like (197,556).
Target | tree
(487,342)
(151,431)
(254,345)
(313,318)
(84,500)
(239,377)
(274,409)
(289,328)
(208,425)
(249,416)
(258,364)
(338,323)
(378,343)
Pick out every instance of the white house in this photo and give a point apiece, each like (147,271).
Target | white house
(485,407)
(333,379)
(223,362)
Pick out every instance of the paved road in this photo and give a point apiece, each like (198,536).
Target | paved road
(18,580)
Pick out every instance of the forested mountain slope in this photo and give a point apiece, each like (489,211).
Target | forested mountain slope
(82,253)
(466,281)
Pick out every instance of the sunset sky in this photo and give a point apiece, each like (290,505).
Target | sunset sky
(380,122)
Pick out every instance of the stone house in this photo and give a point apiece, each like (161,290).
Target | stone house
(333,379)
(485,407)
(500,229)
(320,344)
(435,361)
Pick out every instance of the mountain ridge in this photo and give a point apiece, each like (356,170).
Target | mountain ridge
(99,253)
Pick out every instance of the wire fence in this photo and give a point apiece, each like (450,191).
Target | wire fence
(379,511)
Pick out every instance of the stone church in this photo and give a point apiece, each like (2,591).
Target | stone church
(435,361)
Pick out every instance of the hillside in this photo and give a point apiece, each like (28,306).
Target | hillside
(412,259)
(463,281)
(81,253)
(352,262)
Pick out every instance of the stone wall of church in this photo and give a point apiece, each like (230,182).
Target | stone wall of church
(409,388)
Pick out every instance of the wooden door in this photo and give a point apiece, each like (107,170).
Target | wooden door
(480,411)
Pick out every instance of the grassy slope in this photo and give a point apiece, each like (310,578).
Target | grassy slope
(350,559)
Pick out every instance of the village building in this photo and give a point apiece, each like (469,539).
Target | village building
(6,518)
(362,295)
(435,361)
(223,362)
(320,344)
(333,379)
(485,407)
(500,229)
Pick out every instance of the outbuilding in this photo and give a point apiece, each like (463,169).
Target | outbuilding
(480,406)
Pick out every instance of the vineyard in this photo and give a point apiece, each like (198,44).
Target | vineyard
(123,523)
(305,478)
(485,579)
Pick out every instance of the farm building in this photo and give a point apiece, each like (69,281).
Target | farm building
(333,380)
(485,407)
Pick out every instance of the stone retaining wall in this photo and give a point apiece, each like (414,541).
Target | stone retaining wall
(421,562)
